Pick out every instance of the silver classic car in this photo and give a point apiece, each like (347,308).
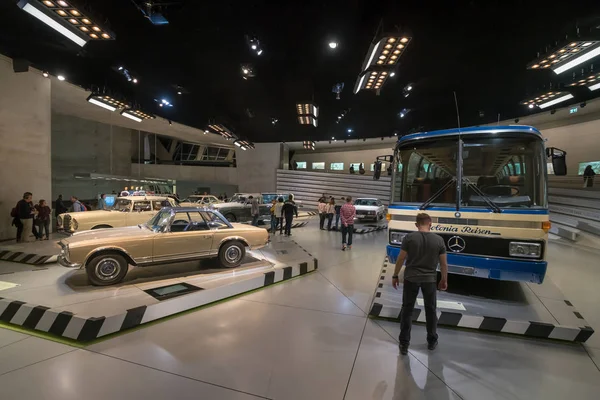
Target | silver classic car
(239,209)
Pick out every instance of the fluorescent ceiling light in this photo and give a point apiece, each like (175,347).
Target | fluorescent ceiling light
(100,104)
(594,87)
(556,101)
(53,24)
(60,78)
(578,60)
(131,116)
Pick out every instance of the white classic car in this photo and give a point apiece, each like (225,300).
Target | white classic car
(127,211)
(369,209)
(199,200)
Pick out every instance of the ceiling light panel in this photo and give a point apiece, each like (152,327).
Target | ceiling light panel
(66,19)
(569,56)
(548,99)
(308,114)
(371,80)
(386,52)
(222,130)
(589,81)
(107,102)
(308,145)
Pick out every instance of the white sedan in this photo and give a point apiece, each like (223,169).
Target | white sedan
(369,209)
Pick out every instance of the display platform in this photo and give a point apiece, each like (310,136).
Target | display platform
(33,253)
(517,308)
(60,301)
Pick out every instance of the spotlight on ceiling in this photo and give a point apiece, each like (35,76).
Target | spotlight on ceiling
(308,114)
(403,112)
(333,45)
(407,90)
(66,19)
(548,99)
(205,131)
(349,130)
(179,93)
(106,102)
(135,80)
(309,144)
(274,121)
(392,74)
(568,56)
(45,74)
(163,102)
(247,71)
(254,44)
(61,78)
(136,115)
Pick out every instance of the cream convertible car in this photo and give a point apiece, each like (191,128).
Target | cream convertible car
(172,235)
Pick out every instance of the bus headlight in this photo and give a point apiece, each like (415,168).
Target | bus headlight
(523,249)
(397,237)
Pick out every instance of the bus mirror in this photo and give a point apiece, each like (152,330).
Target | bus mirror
(559,160)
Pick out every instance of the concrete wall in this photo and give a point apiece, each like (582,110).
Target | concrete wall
(84,146)
(580,141)
(257,168)
(24,140)
(367,157)
(218,179)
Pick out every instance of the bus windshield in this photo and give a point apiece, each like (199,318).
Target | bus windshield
(509,171)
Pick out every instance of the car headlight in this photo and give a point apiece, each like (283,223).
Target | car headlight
(371,212)
(59,221)
(523,249)
(74,224)
(397,237)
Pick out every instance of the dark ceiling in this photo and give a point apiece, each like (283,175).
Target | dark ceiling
(478,49)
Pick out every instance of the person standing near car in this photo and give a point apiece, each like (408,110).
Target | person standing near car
(422,250)
(278,208)
(254,210)
(43,219)
(25,213)
(77,206)
(322,207)
(347,215)
(273,216)
(338,207)
(288,210)
(330,212)
(60,206)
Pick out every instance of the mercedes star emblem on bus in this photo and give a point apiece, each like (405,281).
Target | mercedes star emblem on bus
(456,244)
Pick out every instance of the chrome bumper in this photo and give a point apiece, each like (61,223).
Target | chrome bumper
(62,260)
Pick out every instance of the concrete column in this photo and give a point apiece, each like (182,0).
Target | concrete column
(257,169)
(25,122)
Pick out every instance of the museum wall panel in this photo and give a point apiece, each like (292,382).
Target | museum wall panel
(257,168)
(85,146)
(367,157)
(190,177)
(580,141)
(24,139)
(309,186)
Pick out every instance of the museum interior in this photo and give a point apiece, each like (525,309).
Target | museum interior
(316,200)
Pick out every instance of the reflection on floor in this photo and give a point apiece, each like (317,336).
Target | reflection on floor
(310,339)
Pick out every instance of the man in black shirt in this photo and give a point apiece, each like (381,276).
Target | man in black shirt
(289,209)
(422,250)
(25,213)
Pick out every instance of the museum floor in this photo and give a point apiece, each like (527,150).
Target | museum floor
(310,338)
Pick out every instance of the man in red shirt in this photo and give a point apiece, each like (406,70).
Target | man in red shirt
(347,214)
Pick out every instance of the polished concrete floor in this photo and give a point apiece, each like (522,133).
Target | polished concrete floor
(310,339)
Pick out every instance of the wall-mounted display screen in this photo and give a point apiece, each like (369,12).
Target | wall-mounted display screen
(336,166)
(595,166)
(318,165)
(301,164)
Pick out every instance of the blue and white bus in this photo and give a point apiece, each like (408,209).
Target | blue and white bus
(486,191)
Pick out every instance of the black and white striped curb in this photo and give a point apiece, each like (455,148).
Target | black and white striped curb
(535,329)
(294,224)
(303,249)
(26,258)
(83,329)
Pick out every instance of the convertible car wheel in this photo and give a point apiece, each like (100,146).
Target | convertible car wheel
(230,217)
(106,269)
(231,254)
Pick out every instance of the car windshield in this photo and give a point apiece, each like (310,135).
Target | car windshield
(507,171)
(365,202)
(160,221)
(123,205)
(215,220)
